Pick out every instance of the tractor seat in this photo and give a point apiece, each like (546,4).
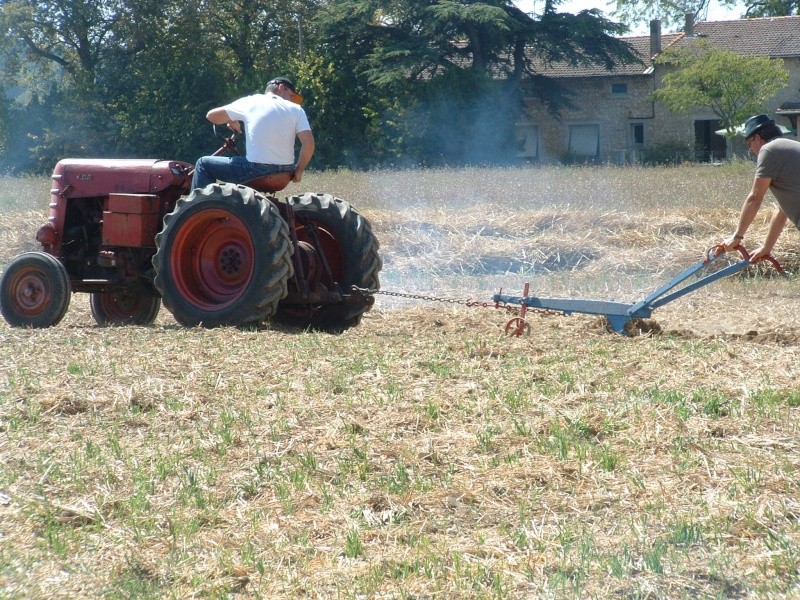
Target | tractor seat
(274,182)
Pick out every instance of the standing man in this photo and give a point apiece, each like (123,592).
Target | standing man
(272,122)
(778,170)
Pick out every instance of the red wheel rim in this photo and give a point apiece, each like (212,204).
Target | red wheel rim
(213,259)
(121,306)
(30,291)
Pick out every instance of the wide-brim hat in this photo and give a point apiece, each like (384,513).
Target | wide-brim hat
(754,124)
(741,130)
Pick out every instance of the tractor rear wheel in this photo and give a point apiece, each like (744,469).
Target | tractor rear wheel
(223,257)
(34,291)
(131,307)
(350,250)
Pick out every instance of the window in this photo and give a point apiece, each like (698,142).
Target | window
(637,134)
(619,89)
(527,138)
(584,140)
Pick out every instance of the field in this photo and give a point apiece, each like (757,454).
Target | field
(425,454)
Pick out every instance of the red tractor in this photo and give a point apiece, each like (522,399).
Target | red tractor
(131,233)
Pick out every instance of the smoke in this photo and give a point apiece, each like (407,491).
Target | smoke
(461,120)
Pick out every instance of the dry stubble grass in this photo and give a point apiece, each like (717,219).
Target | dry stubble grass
(424,454)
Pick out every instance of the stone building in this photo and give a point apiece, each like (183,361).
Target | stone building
(614,118)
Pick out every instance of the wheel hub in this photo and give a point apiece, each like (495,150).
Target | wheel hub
(31,293)
(230,261)
(213,259)
(34,291)
(125,302)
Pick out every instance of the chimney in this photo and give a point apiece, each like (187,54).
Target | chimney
(689,28)
(655,37)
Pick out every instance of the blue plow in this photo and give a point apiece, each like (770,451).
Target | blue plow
(618,314)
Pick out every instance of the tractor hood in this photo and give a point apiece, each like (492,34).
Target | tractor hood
(86,177)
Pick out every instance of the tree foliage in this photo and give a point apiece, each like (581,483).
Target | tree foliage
(734,87)
(772,8)
(413,40)
(5,112)
(458,66)
(74,34)
(423,81)
(669,12)
(135,77)
(673,12)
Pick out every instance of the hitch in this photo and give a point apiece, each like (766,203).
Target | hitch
(322,296)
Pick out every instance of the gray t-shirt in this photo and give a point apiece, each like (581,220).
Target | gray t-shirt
(779,160)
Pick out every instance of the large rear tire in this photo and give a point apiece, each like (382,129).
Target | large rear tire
(34,291)
(223,257)
(351,252)
(131,307)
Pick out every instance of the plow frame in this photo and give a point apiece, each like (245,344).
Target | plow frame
(619,314)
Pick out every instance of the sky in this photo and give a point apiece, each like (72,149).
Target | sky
(715,12)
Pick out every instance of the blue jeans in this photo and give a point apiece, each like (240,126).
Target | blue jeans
(233,169)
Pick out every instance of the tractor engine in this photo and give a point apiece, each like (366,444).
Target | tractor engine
(104,216)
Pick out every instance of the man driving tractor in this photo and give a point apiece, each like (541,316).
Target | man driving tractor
(272,122)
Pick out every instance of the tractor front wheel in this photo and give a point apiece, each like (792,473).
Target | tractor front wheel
(34,291)
(223,257)
(131,307)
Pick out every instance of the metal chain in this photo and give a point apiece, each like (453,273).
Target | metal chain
(469,302)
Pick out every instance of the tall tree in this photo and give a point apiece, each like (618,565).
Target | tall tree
(732,86)
(136,77)
(156,98)
(418,39)
(74,34)
(58,48)
(258,38)
(461,57)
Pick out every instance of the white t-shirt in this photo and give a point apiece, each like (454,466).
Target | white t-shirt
(271,125)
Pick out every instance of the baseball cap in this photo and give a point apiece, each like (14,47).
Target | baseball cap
(297,98)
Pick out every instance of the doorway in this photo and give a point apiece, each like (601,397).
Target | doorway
(709,147)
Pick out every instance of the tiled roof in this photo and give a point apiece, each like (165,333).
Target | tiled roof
(775,37)
(641,47)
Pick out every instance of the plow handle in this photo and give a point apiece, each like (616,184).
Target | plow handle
(768,257)
(719,249)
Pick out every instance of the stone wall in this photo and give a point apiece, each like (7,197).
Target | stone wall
(600,106)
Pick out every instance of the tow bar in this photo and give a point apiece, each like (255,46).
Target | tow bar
(618,314)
